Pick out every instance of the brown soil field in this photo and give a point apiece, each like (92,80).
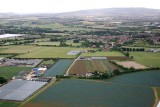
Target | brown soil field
(79,67)
(115,67)
(129,64)
(83,66)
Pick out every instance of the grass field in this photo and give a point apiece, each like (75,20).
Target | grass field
(8,104)
(19,49)
(47,43)
(79,93)
(9,72)
(40,51)
(57,43)
(103,53)
(59,68)
(42,40)
(5,56)
(149,59)
(45,62)
(145,78)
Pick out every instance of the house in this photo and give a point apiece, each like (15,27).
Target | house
(88,74)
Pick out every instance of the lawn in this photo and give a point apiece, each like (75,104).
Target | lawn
(149,59)
(104,53)
(9,72)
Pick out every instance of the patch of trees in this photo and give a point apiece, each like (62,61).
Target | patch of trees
(62,76)
(105,32)
(3,80)
(89,44)
(30,30)
(76,41)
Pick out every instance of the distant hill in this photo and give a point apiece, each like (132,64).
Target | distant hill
(7,14)
(114,12)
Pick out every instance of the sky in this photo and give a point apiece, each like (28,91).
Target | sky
(58,6)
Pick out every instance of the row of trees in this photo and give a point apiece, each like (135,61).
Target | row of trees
(133,49)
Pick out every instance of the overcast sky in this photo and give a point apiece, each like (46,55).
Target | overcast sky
(56,6)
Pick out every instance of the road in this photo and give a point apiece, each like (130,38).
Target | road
(67,73)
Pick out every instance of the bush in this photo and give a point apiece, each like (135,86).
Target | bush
(116,72)
(3,80)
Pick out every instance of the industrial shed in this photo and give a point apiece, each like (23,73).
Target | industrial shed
(19,90)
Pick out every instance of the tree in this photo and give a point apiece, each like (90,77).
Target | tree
(105,75)
(3,80)
(132,69)
(127,54)
(116,72)
(75,41)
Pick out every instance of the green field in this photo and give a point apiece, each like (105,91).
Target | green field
(9,72)
(47,43)
(57,43)
(145,78)
(5,56)
(40,51)
(8,104)
(103,53)
(45,62)
(59,68)
(79,93)
(149,59)
(51,25)
(42,40)
(19,49)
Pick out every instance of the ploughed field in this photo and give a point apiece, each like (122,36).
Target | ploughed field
(84,66)
(129,64)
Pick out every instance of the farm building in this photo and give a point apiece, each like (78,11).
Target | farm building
(38,71)
(96,58)
(19,90)
(88,74)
